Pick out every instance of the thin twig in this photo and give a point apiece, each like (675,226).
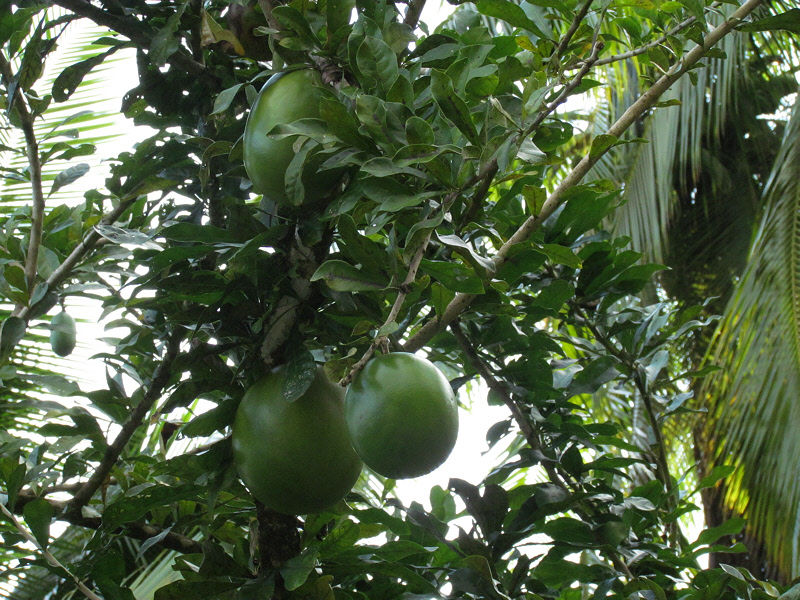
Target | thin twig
(642,49)
(501,390)
(47,554)
(662,463)
(90,241)
(411,276)
(558,476)
(646,101)
(114,450)
(564,94)
(576,22)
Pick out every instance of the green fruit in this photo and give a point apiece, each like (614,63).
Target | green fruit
(402,415)
(62,334)
(284,99)
(296,456)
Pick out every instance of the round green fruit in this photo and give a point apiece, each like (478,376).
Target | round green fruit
(62,333)
(284,99)
(402,415)
(295,457)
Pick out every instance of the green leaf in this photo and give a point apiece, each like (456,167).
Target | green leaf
(338,13)
(14,475)
(440,297)
(344,277)
(120,235)
(601,143)
(55,384)
(453,107)
(378,64)
(467,252)
(569,530)
(195,590)
(11,332)
(38,515)
(224,98)
(68,176)
(296,570)
(300,373)
(552,134)
(712,534)
(510,13)
(718,473)
(393,195)
(293,19)
(561,255)
(454,276)
(70,78)
(130,508)
(341,123)
(165,43)
(787,21)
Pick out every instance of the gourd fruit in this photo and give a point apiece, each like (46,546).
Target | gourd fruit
(295,457)
(63,334)
(284,99)
(402,415)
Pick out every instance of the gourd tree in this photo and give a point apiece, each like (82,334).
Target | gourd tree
(460,218)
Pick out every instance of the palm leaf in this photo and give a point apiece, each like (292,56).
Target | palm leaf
(754,415)
(675,134)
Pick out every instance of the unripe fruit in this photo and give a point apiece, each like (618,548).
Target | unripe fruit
(284,99)
(62,334)
(402,415)
(295,457)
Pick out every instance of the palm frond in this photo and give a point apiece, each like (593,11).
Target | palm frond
(754,413)
(675,134)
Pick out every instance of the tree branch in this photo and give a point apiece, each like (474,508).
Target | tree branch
(564,94)
(413,13)
(133,30)
(646,101)
(642,49)
(137,530)
(576,22)
(65,268)
(483,179)
(114,450)
(35,173)
(501,390)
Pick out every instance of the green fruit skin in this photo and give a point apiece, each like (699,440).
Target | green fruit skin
(402,415)
(62,340)
(295,457)
(292,96)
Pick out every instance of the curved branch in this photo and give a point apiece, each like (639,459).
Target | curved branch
(645,102)
(114,450)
